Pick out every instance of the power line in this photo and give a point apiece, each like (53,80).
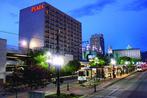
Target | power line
(8,32)
(14,33)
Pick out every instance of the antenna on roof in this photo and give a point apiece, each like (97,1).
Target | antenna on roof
(129,47)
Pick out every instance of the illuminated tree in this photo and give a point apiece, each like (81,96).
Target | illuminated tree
(38,58)
(135,60)
(41,61)
(36,73)
(98,63)
(122,60)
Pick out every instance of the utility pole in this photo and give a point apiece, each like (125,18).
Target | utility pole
(58,68)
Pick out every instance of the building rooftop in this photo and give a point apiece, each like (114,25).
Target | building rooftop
(54,8)
(126,49)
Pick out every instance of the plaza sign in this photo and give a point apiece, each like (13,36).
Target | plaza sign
(37,8)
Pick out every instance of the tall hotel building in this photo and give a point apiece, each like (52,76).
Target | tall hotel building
(97,43)
(39,25)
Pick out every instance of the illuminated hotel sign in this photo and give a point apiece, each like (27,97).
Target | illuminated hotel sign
(37,8)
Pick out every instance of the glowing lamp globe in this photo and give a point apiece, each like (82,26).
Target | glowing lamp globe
(58,60)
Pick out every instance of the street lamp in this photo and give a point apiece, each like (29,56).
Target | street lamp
(126,62)
(48,57)
(24,44)
(113,62)
(96,61)
(58,61)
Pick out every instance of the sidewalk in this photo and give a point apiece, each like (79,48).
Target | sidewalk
(76,88)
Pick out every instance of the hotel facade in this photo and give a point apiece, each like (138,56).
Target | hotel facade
(40,24)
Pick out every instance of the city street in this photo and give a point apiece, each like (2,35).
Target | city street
(78,49)
(133,86)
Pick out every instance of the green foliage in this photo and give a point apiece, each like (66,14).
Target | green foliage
(71,67)
(97,62)
(101,62)
(122,60)
(92,63)
(35,75)
(74,65)
(36,72)
(39,58)
(134,60)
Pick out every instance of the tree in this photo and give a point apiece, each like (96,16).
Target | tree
(128,61)
(75,64)
(135,60)
(39,58)
(36,76)
(122,60)
(98,63)
(36,73)
(71,67)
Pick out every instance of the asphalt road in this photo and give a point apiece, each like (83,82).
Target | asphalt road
(134,86)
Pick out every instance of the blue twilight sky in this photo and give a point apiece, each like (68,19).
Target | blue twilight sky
(122,22)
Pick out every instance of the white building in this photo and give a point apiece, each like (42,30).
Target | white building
(133,53)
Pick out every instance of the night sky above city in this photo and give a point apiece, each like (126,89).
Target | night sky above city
(122,22)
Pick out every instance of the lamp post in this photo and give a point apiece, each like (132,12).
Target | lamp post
(96,60)
(113,62)
(49,59)
(58,62)
(25,44)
